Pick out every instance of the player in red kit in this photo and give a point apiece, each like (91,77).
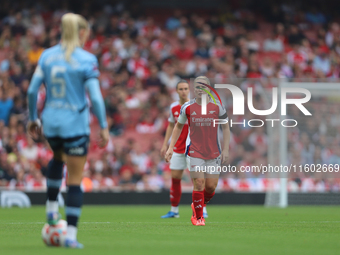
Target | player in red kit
(204,149)
(178,162)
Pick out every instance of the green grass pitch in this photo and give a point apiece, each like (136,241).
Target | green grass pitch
(140,230)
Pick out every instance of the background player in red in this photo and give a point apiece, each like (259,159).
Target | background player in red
(203,149)
(178,161)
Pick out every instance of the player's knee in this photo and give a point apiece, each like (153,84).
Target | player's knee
(176,174)
(75,177)
(210,187)
(199,184)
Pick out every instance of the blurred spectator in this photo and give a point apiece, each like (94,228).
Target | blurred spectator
(173,22)
(18,28)
(296,57)
(34,53)
(168,77)
(206,34)
(273,44)
(6,39)
(142,56)
(252,44)
(275,14)
(150,29)
(315,17)
(295,36)
(140,159)
(250,22)
(218,50)
(17,77)
(202,49)
(112,29)
(6,104)
(335,158)
(331,35)
(183,53)
(87,184)
(138,65)
(153,80)
(321,62)
(147,125)
(184,29)
(128,175)
(30,151)
(37,26)
(101,182)
(267,68)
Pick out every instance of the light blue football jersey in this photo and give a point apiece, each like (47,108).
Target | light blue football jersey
(66,113)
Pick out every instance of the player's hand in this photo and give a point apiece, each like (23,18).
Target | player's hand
(224,157)
(163,150)
(34,129)
(168,155)
(104,137)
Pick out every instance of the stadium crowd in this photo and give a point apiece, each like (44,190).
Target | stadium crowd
(141,58)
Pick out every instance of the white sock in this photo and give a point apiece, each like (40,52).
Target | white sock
(52,206)
(204,209)
(174,209)
(71,233)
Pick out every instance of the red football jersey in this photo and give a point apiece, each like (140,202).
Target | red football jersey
(175,109)
(203,139)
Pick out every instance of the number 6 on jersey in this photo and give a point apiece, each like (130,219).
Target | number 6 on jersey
(58,83)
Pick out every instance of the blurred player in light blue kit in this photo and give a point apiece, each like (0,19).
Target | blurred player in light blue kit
(67,71)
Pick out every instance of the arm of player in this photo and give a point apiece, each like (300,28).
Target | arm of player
(33,125)
(168,133)
(96,97)
(32,93)
(92,85)
(226,140)
(175,135)
(176,132)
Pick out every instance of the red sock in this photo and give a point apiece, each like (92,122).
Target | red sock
(198,200)
(175,192)
(208,197)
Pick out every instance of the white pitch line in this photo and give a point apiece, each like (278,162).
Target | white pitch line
(174,222)
(21,223)
(246,222)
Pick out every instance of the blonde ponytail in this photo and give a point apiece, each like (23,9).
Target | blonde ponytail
(71,24)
